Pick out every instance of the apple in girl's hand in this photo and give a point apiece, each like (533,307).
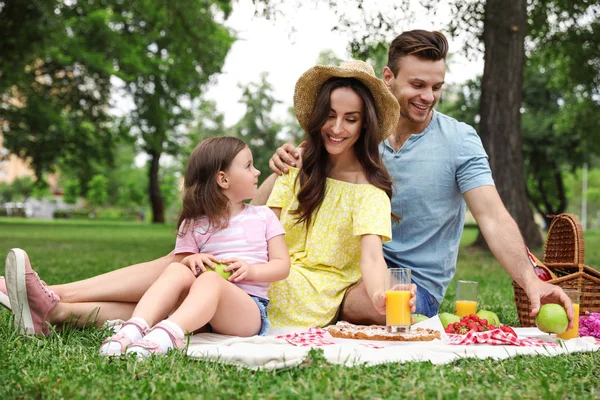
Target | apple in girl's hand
(552,318)
(220,269)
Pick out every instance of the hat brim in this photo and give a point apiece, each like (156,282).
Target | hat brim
(310,83)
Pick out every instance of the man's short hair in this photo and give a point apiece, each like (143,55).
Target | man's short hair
(427,45)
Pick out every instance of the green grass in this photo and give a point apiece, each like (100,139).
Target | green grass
(67,365)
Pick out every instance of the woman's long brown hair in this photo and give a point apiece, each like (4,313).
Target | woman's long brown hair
(312,176)
(202,196)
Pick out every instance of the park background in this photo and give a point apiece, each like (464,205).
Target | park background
(103,100)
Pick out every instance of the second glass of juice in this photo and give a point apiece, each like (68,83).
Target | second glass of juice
(397,296)
(573,332)
(466,298)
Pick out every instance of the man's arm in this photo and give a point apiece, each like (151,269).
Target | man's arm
(506,243)
(284,156)
(264,191)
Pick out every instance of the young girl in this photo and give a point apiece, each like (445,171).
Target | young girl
(215,226)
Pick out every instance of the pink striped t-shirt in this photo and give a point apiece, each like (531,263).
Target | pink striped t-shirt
(245,237)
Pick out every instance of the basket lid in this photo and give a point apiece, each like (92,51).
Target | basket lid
(564,243)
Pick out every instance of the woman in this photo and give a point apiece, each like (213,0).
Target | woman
(345,111)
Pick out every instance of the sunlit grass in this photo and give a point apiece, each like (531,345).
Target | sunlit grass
(68,366)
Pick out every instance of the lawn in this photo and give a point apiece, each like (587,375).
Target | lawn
(68,366)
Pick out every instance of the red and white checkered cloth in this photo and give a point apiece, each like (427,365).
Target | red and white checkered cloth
(498,337)
(316,337)
(311,337)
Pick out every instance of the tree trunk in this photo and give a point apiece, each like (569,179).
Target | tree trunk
(505,24)
(156,199)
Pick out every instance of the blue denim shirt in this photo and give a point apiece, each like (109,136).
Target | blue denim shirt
(431,171)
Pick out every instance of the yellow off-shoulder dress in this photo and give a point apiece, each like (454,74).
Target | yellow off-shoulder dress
(325,259)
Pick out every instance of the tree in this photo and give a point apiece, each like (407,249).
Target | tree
(167,54)
(97,194)
(505,27)
(59,59)
(208,122)
(257,127)
(71,191)
(53,84)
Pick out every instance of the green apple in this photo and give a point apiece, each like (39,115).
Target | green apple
(419,318)
(219,269)
(447,319)
(552,318)
(491,317)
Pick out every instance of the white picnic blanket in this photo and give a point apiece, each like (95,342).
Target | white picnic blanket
(271,352)
(274,352)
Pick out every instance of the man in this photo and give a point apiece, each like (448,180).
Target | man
(437,164)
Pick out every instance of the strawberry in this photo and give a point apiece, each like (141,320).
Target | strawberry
(483,321)
(462,330)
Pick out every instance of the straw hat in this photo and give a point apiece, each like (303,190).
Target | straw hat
(309,84)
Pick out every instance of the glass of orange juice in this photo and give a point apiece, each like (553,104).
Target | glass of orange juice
(397,296)
(466,298)
(573,332)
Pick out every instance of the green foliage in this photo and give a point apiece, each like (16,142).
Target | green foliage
(20,189)
(328,57)
(374,53)
(41,190)
(97,193)
(256,127)
(6,193)
(58,61)
(208,122)
(55,93)
(71,191)
(170,178)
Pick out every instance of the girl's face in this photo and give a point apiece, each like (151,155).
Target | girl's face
(241,177)
(345,122)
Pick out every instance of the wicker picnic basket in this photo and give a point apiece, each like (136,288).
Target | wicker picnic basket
(564,258)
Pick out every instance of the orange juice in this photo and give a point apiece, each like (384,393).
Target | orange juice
(574,332)
(464,308)
(397,310)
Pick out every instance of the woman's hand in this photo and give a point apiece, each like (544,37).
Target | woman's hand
(241,270)
(379,300)
(197,263)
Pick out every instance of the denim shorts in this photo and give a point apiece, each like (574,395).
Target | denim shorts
(262,307)
(426,303)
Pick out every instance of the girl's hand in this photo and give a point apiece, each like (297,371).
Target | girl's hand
(241,270)
(198,262)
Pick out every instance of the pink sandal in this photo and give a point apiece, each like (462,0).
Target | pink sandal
(122,339)
(145,347)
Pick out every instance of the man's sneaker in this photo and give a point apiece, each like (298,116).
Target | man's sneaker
(30,298)
(4,301)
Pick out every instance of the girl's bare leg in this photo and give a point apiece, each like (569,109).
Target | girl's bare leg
(227,308)
(165,294)
(124,285)
(89,314)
